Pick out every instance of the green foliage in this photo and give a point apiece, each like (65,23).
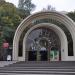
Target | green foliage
(8,13)
(8,34)
(27,5)
(22,13)
(72,15)
(2,2)
(1,41)
(10,18)
(49,8)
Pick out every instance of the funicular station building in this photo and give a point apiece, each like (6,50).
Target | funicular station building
(45,36)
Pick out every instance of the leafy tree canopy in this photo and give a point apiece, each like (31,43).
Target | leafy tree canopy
(49,8)
(27,5)
(71,15)
(10,18)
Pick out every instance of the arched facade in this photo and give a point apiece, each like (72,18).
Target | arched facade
(29,23)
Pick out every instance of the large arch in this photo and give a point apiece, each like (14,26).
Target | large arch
(53,15)
(59,32)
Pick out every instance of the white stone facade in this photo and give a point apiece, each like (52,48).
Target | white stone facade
(69,24)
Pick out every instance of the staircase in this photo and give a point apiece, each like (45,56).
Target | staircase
(51,68)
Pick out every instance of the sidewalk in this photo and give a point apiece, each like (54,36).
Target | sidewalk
(4,63)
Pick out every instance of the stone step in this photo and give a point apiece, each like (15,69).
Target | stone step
(32,74)
(37,69)
(40,64)
(40,72)
(40,68)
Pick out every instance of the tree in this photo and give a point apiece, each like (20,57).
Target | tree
(21,6)
(10,18)
(23,13)
(27,5)
(49,8)
(71,15)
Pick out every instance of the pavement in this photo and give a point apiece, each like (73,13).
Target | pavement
(5,63)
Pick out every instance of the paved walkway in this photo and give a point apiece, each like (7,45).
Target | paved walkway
(5,63)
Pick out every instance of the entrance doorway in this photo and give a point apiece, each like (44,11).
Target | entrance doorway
(37,56)
(32,55)
(43,56)
(43,44)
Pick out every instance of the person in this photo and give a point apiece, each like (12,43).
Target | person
(8,57)
(5,50)
(43,49)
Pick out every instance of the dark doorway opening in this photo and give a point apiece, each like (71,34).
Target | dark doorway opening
(43,56)
(32,56)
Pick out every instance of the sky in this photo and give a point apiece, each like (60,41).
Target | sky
(59,5)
